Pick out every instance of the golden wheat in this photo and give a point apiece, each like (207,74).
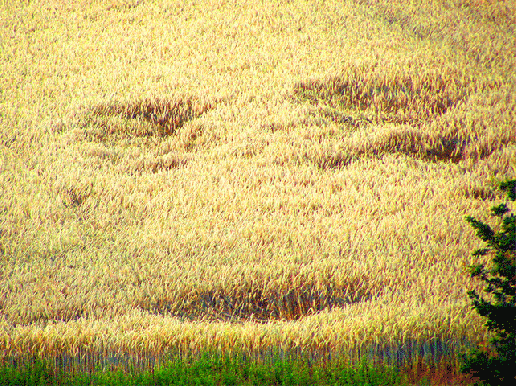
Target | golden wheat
(249,177)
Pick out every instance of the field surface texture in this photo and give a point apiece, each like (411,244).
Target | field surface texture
(251,176)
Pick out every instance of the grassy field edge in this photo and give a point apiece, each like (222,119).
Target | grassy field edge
(216,369)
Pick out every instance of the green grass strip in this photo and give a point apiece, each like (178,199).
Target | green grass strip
(207,370)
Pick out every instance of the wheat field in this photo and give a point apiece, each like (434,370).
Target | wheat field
(251,176)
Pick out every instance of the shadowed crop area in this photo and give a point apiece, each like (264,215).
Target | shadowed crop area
(141,118)
(264,177)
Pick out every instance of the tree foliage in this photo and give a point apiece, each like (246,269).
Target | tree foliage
(498,365)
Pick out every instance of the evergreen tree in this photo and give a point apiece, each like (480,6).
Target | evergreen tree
(497,367)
